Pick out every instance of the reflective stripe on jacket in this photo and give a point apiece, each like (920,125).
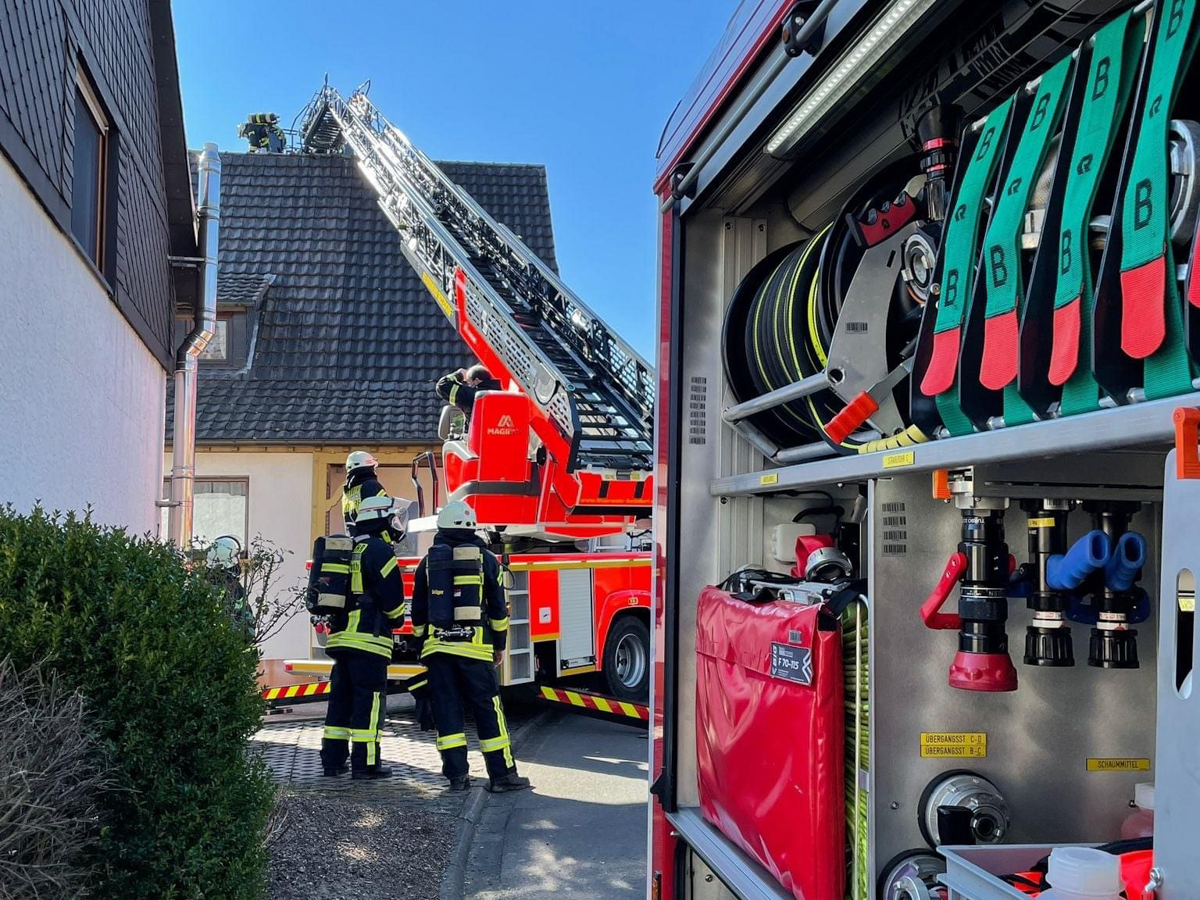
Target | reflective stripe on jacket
(376,601)
(488,632)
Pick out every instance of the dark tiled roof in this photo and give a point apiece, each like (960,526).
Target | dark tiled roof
(346,340)
(241,290)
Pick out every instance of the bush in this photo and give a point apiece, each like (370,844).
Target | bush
(171,684)
(49,778)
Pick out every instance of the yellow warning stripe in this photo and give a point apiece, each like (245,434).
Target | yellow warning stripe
(296,690)
(439,296)
(595,701)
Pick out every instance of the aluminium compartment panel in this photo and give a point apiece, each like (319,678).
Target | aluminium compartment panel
(1040,737)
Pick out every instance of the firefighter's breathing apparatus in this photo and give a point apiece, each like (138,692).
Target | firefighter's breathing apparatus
(1102,566)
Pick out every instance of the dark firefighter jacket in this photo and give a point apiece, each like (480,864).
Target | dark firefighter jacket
(376,603)
(453,390)
(359,486)
(492,632)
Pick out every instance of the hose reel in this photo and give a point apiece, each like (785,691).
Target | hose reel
(843,309)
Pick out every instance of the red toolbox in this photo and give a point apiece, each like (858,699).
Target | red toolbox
(769,735)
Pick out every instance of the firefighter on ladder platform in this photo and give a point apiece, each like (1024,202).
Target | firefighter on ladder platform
(360,644)
(460,616)
(361,483)
(459,388)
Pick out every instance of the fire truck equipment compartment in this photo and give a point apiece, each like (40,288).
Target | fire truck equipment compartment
(769,687)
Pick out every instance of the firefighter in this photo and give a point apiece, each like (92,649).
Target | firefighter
(360,643)
(361,483)
(460,387)
(224,559)
(460,618)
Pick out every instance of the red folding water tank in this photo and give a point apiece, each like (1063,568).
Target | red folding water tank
(769,737)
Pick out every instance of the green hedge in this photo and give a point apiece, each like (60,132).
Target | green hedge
(172,685)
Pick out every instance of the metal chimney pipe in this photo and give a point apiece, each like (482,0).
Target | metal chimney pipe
(187,357)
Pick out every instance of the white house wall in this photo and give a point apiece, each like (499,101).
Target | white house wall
(279,509)
(81,397)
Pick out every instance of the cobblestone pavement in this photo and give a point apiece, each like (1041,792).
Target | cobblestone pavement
(291,745)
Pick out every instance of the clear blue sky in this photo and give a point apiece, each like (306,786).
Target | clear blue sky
(583,88)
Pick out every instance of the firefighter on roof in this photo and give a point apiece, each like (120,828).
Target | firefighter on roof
(360,643)
(361,483)
(460,617)
(460,387)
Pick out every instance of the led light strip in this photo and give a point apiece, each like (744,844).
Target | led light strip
(849,70)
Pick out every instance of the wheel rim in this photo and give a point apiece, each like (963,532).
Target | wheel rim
(631,661)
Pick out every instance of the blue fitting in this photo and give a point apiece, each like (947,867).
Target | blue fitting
(1067,571)
(1082,613)
(1127,559)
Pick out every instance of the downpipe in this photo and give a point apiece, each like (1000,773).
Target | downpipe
(187,357)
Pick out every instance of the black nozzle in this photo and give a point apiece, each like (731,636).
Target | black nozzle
(1048,640)
(938,131)
(982,662)
(1113,644)
(1113,649)
(1051,647)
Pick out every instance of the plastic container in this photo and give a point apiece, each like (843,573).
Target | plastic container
(1082,873)
(1140,823)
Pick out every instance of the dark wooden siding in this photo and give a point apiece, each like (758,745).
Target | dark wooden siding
(41,43)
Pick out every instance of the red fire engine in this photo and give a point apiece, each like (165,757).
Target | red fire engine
(929,331)
(558,464)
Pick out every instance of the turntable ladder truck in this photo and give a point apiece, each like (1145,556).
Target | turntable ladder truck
(563,455)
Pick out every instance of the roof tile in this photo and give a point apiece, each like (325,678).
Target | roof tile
(348,342)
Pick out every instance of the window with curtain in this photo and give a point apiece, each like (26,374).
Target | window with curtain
(222,506)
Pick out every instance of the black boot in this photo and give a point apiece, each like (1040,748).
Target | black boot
(460,784)
(373,772)
(510,782)
(334,771)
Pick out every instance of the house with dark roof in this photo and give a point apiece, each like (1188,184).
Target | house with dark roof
(326,342)
(96,222)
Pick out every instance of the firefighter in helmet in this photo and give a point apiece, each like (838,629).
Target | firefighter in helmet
(460,617)
(360,643)
(224,560)
(459,388)
(361,483)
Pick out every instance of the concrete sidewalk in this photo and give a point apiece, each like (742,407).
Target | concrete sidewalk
(581,830)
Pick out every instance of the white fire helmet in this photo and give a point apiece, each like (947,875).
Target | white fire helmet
(456,514)
(360,459)
(225,552)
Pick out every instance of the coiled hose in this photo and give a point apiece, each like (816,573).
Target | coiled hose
(782,318)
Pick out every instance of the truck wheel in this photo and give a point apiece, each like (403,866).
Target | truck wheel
(627,659)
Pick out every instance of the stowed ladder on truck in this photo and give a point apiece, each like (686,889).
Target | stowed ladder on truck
(591,394)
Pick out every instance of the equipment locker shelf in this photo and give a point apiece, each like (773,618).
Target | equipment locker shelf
(1136,425)
(862,155)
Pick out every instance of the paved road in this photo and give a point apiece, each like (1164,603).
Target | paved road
(581,831)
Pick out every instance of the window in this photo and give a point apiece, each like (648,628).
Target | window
(90,173)
(229,343)
(218,347)
(221,506)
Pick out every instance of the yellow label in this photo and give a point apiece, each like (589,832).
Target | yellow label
(1118,764)
(953,744)
(899,460)
(1041,523)
(438,296)
(769,478)
(1187,604)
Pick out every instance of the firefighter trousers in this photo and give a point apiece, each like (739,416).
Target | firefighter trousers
(453,682)
(357,704)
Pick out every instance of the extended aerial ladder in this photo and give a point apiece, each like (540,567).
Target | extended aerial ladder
(590,395)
